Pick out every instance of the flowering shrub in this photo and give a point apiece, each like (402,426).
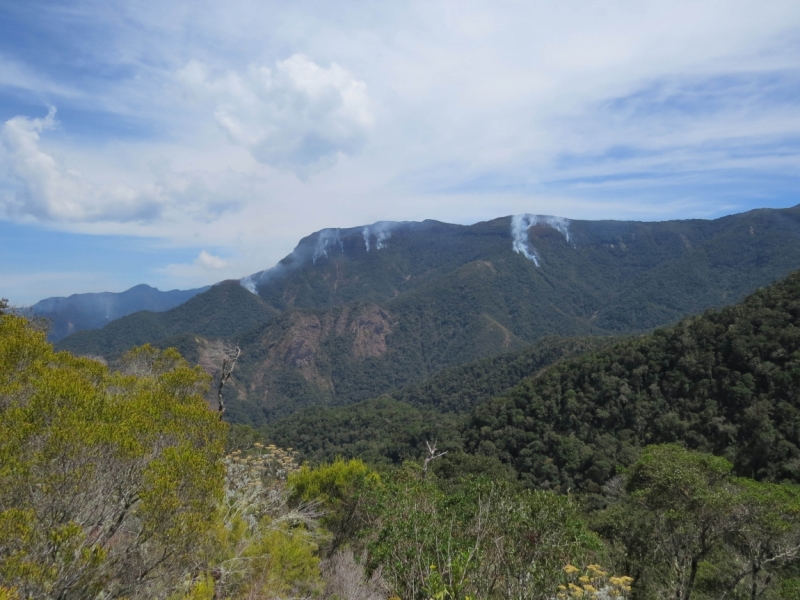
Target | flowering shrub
(593,582)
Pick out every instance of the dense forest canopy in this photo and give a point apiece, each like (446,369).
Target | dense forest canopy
(724,382)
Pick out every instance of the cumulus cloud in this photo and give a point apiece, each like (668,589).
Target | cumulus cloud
(205,269)
(46,189)
(51,192)
(209,261)
(298,116)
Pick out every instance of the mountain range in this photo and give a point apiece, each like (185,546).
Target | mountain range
(355,313)
(93,311)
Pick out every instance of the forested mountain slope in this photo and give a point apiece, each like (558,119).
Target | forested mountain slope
(356,313)
(93,311)
(617,275)
(225,310)
(460,389)
(394,427)
(724,382)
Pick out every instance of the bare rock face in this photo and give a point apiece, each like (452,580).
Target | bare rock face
(371,328)
(298,346)
(302,342)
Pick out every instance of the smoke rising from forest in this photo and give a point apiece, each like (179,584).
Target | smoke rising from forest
(520,224)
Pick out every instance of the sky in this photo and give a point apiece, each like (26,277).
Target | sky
(180,143)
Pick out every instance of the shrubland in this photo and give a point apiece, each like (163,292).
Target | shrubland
(116,484)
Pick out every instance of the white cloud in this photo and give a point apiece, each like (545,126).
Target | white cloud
(51,192)
(298,116)
(206,269)
(46,189)
(210,261)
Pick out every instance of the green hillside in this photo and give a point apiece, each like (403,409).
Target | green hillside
(485,300)
(225,310)
(380,431)
(394,428)
(725,382)
(461,389)
(339,324)
(612,275)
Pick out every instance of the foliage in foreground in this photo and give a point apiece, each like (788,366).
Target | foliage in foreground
(106,479)
(685,527)
(484,540)
(116,485)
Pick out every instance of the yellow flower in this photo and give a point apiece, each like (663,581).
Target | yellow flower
(597,570)
(570,569)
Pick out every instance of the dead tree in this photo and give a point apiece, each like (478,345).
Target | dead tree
(431,456)
(219,358)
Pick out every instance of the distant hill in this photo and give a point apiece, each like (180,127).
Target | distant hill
(92,311)
(724,382)
(224,310)
(356,313)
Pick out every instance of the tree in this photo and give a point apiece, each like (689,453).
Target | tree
(684,524)
(219,358)
(765,537)
(674,511)
(107,479)
(343,489)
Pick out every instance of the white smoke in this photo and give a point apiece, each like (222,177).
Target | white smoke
(520,224)
(325,241)
(328,238)
(319,246)
(249,284)
(381,231)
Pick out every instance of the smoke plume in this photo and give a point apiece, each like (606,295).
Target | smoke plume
(520,224)
(328,238)
(381,231)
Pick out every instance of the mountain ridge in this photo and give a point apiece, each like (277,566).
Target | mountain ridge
(346,322)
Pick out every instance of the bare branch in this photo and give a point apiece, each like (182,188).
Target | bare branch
(219,358)
(432,455)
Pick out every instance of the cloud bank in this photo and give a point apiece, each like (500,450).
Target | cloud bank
(50,192)
(298,116)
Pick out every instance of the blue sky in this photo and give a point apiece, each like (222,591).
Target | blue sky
(183,142)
